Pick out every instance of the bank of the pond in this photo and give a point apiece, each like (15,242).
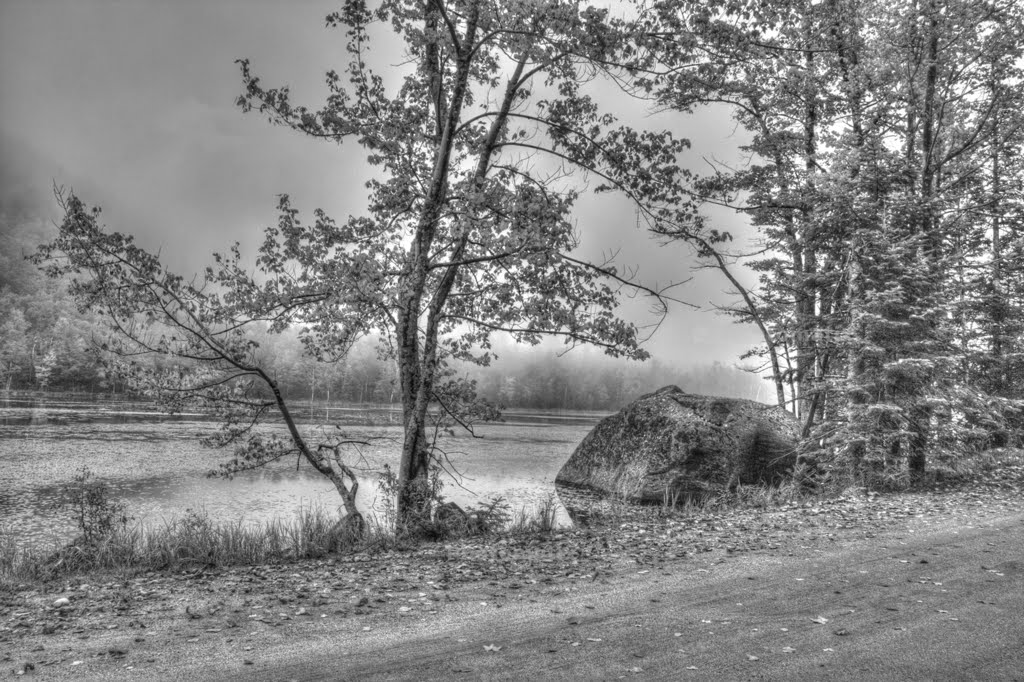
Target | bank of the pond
(157,464)
(98,626)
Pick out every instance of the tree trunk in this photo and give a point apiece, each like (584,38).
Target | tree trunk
(920,416)
(416,365)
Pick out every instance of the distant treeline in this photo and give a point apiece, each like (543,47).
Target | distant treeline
(525,377)
(47,344)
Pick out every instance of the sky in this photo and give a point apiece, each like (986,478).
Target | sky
(132,105)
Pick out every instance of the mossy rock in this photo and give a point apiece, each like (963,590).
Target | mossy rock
(672,447)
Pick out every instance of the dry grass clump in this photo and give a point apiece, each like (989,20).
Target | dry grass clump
(194,540)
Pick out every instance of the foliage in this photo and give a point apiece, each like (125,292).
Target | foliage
(44,340)
(481,150)
(884,182)
(96,515)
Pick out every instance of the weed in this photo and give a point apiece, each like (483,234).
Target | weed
(490,516)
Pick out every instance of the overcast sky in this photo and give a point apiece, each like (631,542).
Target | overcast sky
(133,104)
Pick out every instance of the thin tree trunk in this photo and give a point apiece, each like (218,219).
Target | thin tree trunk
(920,417)
(417,365)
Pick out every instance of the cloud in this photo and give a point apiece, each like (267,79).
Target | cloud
(133,103)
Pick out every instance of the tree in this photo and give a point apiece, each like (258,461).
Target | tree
(14,345)
(881,139)
(481,152)
(201,335)
(469,229)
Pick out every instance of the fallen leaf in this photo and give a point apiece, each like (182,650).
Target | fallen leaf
(752,657)
(820,620)
(788,650)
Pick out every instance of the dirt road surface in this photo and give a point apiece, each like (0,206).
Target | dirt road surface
(924,599)
(943,604)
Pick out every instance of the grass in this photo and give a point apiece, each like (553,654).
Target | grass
(194,540)
(190,541)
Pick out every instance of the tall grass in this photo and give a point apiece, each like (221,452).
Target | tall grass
(194,540)
(189,541)
(543,518)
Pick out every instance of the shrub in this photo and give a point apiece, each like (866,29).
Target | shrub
(96,515)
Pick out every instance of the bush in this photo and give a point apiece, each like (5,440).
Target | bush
(96,515)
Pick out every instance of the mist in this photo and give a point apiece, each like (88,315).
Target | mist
(132,106)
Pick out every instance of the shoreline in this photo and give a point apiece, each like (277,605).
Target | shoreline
(118,623)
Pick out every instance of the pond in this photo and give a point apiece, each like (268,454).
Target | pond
(156,464)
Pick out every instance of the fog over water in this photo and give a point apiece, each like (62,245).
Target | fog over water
(132,105)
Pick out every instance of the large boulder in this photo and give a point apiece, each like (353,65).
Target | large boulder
(670,447)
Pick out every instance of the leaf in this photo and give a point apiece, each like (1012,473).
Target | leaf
(820,620)
(788,650)
(752,657)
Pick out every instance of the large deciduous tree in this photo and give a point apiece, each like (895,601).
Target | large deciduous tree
(481,141)
(480,148)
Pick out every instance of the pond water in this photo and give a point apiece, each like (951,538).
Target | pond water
(157,465)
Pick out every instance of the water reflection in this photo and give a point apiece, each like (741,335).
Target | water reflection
(157,464)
